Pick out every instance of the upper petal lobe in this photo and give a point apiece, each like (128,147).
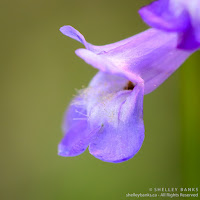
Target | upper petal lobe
(180,16)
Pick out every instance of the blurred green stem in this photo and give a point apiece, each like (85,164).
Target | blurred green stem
(190,118)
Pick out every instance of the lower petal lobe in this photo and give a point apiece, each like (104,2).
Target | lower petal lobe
(75,140)
(77,133)
(119,141)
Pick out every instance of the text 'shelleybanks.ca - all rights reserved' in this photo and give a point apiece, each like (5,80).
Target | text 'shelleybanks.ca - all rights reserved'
(167,192)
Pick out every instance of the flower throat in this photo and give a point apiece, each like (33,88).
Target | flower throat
(129,86)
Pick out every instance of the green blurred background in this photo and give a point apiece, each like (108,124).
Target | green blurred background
(39,75)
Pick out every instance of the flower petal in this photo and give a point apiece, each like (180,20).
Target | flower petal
(161,15)
(75,140)
(77,133)
(74,34)
(121,139)
(102,89)
(181,16)
(75,113)
(150,56)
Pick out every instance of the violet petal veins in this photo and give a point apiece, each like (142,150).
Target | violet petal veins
(180,16)
(107,116)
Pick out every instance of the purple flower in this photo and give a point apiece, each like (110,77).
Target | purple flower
(180,16)
(108,115)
